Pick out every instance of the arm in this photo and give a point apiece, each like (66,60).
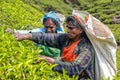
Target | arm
(9,30)
(48,39)
(28,31)
(80,63)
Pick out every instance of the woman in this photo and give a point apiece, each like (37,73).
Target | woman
(77,52)
(52,24)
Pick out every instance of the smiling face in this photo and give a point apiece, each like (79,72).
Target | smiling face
(73,31)
(50,26)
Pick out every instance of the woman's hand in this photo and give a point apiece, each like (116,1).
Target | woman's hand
(9,30)
(49,60)
(20,37)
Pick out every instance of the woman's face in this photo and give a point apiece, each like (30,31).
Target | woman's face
(50,26)
(73,32)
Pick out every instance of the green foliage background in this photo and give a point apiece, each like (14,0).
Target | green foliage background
(18,60)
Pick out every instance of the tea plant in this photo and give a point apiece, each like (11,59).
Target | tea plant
(18,60)
(18,15)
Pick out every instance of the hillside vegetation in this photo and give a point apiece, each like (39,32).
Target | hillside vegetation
(18,60)
(104,10)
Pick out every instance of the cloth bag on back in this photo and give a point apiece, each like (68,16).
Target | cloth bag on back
(103,42)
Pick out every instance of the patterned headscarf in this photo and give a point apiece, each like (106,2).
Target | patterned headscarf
(103,42)
(81,17)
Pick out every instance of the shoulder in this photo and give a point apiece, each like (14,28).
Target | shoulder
(86,44)
(62,37)
(42,30)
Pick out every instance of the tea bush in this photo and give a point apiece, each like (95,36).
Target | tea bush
(18,15)
(18,60)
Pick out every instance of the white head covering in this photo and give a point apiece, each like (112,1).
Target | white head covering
(103,42)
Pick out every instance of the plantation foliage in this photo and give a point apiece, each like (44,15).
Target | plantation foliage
(18,60)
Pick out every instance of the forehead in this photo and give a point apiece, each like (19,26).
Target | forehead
(69,24)
(49,22)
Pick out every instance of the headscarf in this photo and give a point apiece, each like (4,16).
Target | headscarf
(56,18)
(103,42)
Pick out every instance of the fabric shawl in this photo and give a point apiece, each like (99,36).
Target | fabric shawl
(103,42)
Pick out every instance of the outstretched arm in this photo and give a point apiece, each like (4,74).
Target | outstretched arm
(48,39)
(28,31)
(9,30)
(21,37)
(83,60)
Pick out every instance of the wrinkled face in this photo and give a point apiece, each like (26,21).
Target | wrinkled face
(73,32)
(50,26)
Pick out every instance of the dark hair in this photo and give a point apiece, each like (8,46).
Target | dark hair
(54,21)
(74,22)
